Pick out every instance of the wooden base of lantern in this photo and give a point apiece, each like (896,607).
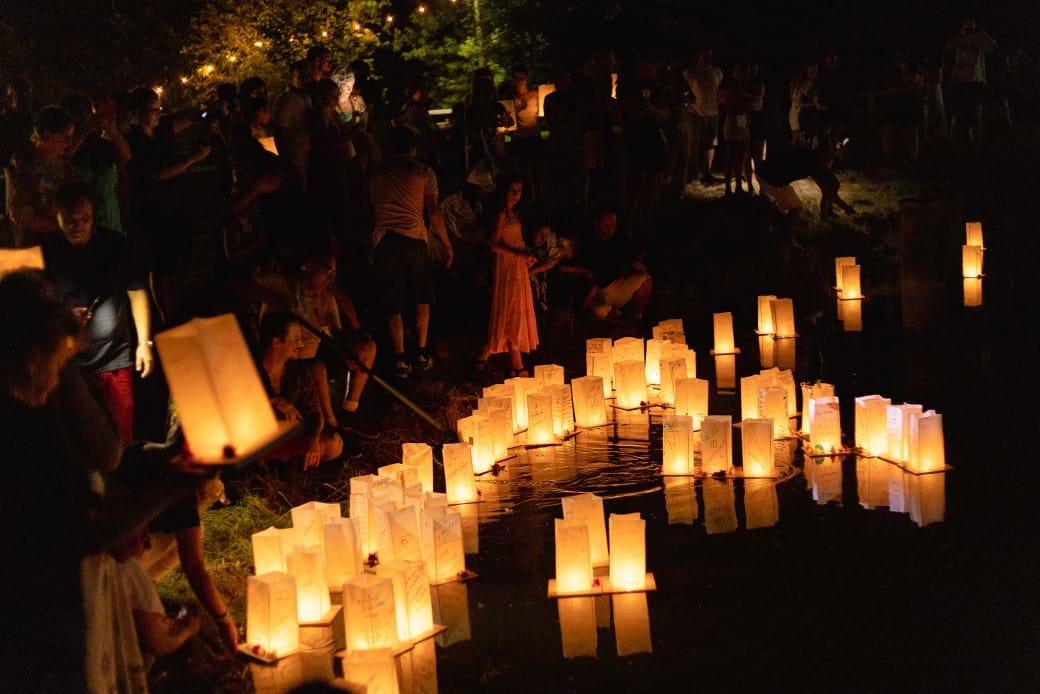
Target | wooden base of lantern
(407,645)
(902,465)
(602,586)
(460,577)
(732,473)
(324,631)
(286,430)
(713,353)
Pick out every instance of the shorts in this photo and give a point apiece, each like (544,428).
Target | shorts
(404,272)
(705,132)
(784,196)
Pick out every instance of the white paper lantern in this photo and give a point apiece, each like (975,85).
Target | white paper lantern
(563,408)
(627,551)
(971,261)
(309,520)
(765,314)
(840,263)
(973,234)
(927,451)
(716,444)
(630,384)
(523,385)
(671,370)
(897,423)
(372,671)
(443,535)
(588,509)
(476,431)
(589,406)
(825,426)
(540,419)
(268,553)
(653,360)
(307,566)
(342,551)
(871,429)
(772,404)
(599,361)
(419,456)
(459,484)
(223,407)
(271,620)
(573,560)
(851,288)
(369,613)
(691,399)
(548,375)
(756,437)
(413,608)
(724,343)
(677,444)
(783,318)
(749,386)
(500,413)
(506,392)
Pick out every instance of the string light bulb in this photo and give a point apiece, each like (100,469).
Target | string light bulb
(357,26)
(324,34)
(258,44)
(389,19)
(184,80)
(422,9)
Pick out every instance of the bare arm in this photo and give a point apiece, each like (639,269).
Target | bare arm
(437,225)
(190,550)
(141,310)
(161,635)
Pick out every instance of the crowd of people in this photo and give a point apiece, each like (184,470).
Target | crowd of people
(338,218)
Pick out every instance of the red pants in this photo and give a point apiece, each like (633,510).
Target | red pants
(118,388)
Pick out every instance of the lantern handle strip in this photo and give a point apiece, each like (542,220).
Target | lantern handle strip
(353,359)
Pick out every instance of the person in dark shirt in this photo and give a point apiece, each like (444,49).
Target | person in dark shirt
(104,281)
(780,170)
(618,279)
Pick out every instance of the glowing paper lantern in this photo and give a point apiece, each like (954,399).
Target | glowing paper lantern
(871,429)
(404,534)
(677,442)
(671,329)
(599,361)
(523,385)
(724,343)
(578,626)
(374,671)
(627,551)
(725,372)
(443,535)
(765,314)
(271,621)
(500,413)
(756,439)
(749,386)
(973,234)
(785,379)
(671,371)
(501,391)
(309,520)
(850,282)
(342,551)
(540,419)
(653,360)
(716,444)
(772,404)
(476,431)
(590,409)
(306,565)
(369,613)
(14,259)
(563,408)
(926,448)
(399,474)
(412,603)
(691,399)
(588,509)
(630,384)
(973,291)
(839,277)
(573,560)
(223,406)
(548,374)
(783,318)
(809,392)
(897,423)
(419,456)
(269,550)
(971,261)
(631,623)
(825,426)
(459,484)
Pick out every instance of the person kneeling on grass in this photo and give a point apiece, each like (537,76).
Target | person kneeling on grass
(292,391)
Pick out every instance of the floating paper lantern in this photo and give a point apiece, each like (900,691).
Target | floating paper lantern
(271,620)
(724,343)
(501,391)
(630,383)
(671,370)
(670,329)
(373,671)
(419,456)
(309,520)
(926,448)
(677,442)
(973,234)
(653,360)
(540,419)
(839,263)
(399,474)
(459,484)
(973,291)
(15,259)
(404,534)
(223,407)
(785,379)
(369,613)
(599,361)
(306,565)
(588,509)
(756,438)
(412,603)
(809,392)
(548,374)
(627,551)
(573,559)
(342,551)
(897,422)
(725,372)
(765,314)
(783,318)
(270,547)
(476,430)
(772,404)
(590,409)
(716,444)
(500,413)
(691,399)
(578,626)
(971,261)
(851,288)
(825,426)
(443,535)
(629,349)
(524,385)
(563,408)
(749,386)
(871,429)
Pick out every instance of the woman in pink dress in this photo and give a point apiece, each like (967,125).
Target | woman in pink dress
(512,327)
